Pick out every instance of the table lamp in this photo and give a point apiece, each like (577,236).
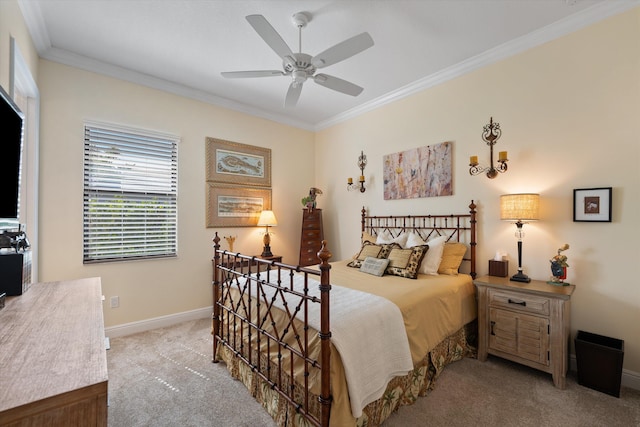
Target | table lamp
(267,219)
(519,208)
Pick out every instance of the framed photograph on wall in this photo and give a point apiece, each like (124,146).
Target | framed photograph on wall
(236,163)
(592,204)
(235,206)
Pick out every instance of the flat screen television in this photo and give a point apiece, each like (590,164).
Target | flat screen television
(11,132)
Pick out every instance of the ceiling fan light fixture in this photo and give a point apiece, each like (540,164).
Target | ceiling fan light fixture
(302,66)
(299,76)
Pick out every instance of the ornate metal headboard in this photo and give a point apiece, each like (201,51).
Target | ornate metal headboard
(457,228)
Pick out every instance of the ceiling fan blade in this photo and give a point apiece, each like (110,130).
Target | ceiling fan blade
(257,73)
(337,84)
(342,51)
(269,35)
(293,94)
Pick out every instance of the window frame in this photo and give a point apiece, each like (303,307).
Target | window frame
(130,194)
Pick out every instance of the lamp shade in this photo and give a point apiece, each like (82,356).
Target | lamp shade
(519,207)
(267,218)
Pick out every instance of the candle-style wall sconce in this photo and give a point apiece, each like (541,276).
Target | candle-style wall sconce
(490,134)
(351,186)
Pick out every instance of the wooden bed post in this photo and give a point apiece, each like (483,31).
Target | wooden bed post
(215,327)
(325,335)
(362,228)
(473,243)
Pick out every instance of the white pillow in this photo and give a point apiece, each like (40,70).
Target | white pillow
(385,238)
(414,239)
(431,260)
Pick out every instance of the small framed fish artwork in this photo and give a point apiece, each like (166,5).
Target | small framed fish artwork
(235,163)
(234,205)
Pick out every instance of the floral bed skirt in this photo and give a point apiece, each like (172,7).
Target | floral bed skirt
(400,391)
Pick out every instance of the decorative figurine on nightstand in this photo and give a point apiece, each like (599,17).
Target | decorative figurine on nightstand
(230,240)
(559,267)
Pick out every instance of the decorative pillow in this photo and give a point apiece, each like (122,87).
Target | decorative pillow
(366,237)
(375,266)
(414,239)
(370,250)
(385,237)
(405,262)
(433,258)
(452,258)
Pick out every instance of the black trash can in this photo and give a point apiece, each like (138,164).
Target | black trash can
(599,360)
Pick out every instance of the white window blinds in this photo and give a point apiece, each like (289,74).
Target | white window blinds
(130,194)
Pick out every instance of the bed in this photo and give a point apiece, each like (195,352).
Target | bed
(346,343)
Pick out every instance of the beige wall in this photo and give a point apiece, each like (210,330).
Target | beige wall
(569,114)
(154,288)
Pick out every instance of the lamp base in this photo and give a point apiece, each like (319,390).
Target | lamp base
(266,252)
(520,277)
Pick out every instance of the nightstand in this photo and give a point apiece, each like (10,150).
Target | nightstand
(528,323)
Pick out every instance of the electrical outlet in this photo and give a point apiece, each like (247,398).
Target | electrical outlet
(115,302)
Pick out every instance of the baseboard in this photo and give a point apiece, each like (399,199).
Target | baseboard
(629,378)
(157,322)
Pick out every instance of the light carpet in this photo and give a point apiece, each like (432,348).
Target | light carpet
(165,377)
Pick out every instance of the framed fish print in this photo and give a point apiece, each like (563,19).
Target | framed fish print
(239,164)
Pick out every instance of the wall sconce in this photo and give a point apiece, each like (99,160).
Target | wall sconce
(267,219)
(490,135)
(362,162)
(519,208)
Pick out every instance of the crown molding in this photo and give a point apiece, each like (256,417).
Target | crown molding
(543,35)
(93,65)
(35,24)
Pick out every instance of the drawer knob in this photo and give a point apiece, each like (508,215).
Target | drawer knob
(522,303)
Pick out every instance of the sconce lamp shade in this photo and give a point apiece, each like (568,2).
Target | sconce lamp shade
(268,219)
(520,207)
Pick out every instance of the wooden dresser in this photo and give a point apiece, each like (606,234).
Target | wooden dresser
(528,323)
(312,235)
(53,362)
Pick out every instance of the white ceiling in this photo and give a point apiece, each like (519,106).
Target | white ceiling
(182,45)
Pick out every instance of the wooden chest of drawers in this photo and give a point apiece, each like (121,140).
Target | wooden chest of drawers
(528,323)
(311,238)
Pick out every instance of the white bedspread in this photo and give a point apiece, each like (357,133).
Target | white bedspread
(369,333)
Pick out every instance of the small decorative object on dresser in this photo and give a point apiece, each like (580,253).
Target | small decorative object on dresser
(309,201)
(559,267)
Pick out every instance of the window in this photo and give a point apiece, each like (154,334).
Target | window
(130,194)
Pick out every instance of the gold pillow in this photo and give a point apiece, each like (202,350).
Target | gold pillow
(366,237)
(452,258)
(405,262)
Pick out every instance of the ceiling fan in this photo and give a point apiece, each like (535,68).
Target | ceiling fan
(301,66)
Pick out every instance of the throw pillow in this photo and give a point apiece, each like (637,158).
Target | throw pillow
(405,262)
(452,256)
(375,266)
(372,250)
(385,237)
(433,258)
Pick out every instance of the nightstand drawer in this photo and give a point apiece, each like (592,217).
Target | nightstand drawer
(519,302)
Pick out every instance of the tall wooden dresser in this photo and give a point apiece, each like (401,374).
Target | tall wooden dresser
(312,235)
